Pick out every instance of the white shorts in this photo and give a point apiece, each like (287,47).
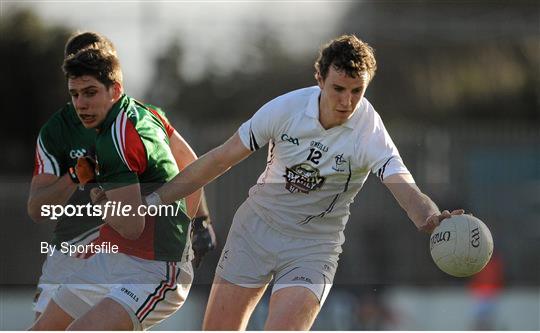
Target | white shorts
(57,268)
(255,253)
(149,290)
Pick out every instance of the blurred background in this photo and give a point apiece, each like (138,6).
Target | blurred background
(458,86)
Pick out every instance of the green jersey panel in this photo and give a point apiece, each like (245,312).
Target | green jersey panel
(61,141)
(133,147)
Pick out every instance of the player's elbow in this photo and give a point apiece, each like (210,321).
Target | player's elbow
(132,231)
(130,234)
(35,212)
(36,217)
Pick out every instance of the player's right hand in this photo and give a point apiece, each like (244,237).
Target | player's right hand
(434,220)
(203,238)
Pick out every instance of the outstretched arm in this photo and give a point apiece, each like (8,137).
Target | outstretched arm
(201,172)
(419,207)
(184,155)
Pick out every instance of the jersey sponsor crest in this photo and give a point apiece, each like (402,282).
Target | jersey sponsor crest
(339,161)
(303,178)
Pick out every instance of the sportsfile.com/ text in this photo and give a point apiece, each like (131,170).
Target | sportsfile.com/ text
(110,208)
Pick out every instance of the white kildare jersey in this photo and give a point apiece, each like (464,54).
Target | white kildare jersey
(313,174)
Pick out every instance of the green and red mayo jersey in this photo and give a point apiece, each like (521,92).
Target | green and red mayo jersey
(61,141)
(132,146)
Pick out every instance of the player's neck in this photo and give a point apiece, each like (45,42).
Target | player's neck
(325,121)
(326,118)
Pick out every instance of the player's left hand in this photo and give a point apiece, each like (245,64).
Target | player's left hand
(434,220)
(203,238)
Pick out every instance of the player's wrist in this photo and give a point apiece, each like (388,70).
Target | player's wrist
(73,176)
(201,222)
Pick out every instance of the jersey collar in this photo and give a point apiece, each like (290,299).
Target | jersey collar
(73,114)
(312,109)
(111,116)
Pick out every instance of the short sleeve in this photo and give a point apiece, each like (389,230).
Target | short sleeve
(160,114)
(121,156)
(383,155)
(259,130)
(49,155)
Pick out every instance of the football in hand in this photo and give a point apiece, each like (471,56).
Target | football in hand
(461,245)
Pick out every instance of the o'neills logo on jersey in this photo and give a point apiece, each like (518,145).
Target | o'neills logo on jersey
(302,178)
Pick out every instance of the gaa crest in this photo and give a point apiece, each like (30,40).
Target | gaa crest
(303,178)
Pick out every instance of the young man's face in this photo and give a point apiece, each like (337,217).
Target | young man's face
(91,99)
(340,96)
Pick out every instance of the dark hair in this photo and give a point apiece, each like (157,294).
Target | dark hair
(82,40)
(100,64)
(349,54)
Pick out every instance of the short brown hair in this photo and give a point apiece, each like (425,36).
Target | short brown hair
(349,54)
(100,64)
(82,40)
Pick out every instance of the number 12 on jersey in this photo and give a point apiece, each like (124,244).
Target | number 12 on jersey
(314,155)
